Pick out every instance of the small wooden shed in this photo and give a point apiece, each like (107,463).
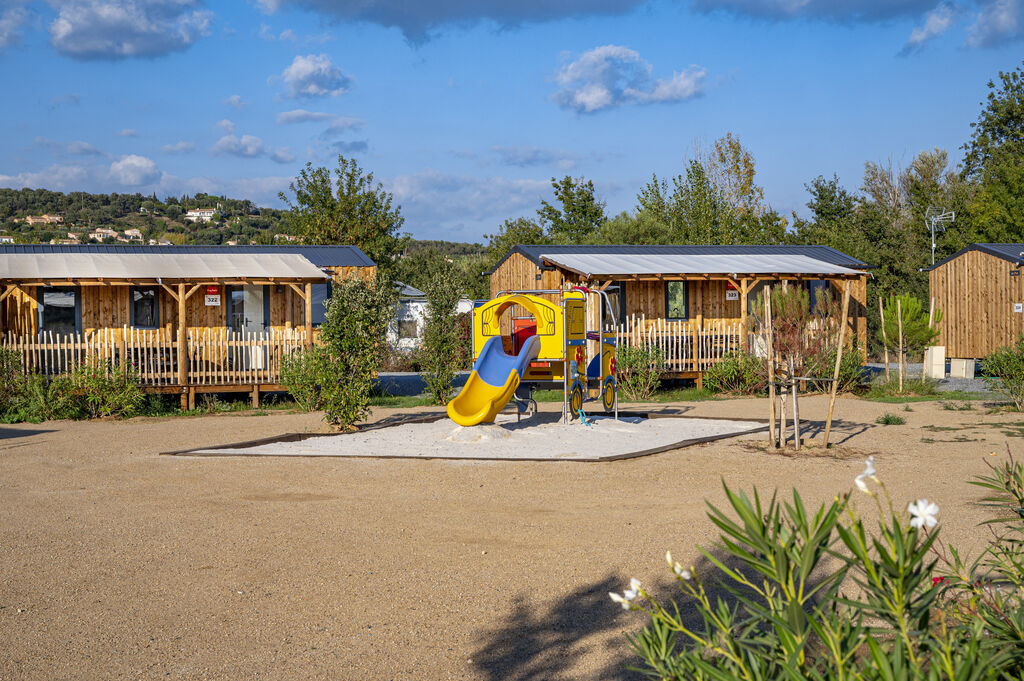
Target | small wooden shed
(980,291)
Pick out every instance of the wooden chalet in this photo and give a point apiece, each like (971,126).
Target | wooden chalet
(192,319)
(980,291)
(691,301)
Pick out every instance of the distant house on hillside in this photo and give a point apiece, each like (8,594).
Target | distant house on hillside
(200,215)
(44,219)
(131,235)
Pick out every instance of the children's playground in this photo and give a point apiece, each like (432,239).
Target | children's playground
(522,341)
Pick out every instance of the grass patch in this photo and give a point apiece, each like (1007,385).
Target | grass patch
(888,419)
(957,406)
(670,395)
(400,401)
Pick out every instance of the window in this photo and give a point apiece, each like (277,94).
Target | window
(235,307)
(321,295)
(60,310)
(617,300)
(676,300)
(145,310)
(407,328)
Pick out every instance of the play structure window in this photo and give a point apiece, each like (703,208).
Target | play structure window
(145,308)
(676,300)
(407,328)
(60,310)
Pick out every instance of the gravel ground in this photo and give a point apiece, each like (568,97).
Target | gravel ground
(117,563)
(948,384)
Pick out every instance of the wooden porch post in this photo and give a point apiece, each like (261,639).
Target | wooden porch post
(309,315)
(182,350)
(288,304)
(861,297)
(744,289)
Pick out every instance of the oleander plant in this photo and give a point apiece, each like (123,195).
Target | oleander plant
(794,594)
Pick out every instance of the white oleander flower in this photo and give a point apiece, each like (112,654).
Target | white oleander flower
(869,472)
(923,513)
(628,595)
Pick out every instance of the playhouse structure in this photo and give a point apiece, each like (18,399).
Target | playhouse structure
(549,344)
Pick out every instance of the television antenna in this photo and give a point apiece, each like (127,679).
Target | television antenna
(936,220)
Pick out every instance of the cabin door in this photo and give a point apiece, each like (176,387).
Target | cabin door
(252,303)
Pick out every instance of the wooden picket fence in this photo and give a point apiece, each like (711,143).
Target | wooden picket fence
(213,357)
(686,347)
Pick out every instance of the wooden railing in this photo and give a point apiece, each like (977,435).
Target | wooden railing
(687,347)
(213,356)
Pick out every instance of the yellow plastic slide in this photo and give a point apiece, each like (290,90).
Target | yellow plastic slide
(492,382)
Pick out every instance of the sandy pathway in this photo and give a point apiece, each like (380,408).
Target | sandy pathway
(117,563)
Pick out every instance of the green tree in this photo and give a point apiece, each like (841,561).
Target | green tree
(512,233)
(580,215)
(442,354)
(346,207)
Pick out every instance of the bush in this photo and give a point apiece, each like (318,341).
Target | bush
(12,380)
(95,389)
(1004,371)
(851,368)
(817,595)
(442,354)
(639,371)
(301,374)
(888,419)
(738,372)
(354,338)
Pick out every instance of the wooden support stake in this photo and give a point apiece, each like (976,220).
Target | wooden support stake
(796,407)
(309,315)
(899,326)
(744,286)
(771,364)
(839,361)
(885,338)
(182,349)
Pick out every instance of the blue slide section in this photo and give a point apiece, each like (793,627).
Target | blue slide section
(494,365)
(492,382)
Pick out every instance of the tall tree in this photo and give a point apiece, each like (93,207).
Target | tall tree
(580,215)
(512,233)
(346,207)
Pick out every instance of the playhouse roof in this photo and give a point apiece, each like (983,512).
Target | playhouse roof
(1011,252)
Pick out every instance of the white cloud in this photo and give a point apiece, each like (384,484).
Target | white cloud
(226,125)
(83,149)
(11,19)
(314,76)
(418,20)
(936,23)
(528,157)
(613,75)
(59,177)
(127,132)
(353,147)
(71,99)
(179,147)
(443,202)
(76,148)
(282,155)
(134,171)
(235,101)
(119,29)
(998,22)
(246,146)
(303,116)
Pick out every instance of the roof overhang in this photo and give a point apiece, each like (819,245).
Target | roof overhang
(625,266)
(152,267)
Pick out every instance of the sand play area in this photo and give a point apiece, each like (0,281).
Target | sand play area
(119,563)
(541,437)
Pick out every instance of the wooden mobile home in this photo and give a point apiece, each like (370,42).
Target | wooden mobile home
(190,318)
(692,301)
(980,291)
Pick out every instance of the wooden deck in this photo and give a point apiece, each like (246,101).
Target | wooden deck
(212,360)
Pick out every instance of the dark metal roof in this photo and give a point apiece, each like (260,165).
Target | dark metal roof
(823,253)
(321,256)
(1012,252)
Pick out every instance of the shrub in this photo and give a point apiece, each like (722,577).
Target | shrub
(354,338)
(1004,371)
(12,380)
(301,374)
(442,354)
(738,372)
(97,388)
(639,371)
(888,419)
(851,369)
(889,390)
(796,594)
(916,333)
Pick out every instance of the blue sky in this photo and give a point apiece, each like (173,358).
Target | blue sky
(465,109)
